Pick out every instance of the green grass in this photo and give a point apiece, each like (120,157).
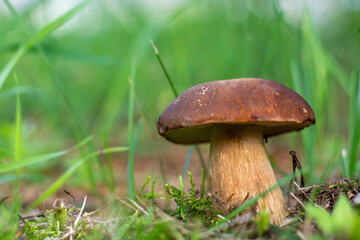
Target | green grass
(72,82)
(17,149)
(354,123)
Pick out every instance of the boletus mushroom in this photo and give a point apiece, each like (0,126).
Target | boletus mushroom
(235,116)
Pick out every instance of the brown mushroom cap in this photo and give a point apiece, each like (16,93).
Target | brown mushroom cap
(190,117)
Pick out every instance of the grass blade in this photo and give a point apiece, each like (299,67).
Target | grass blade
(38,159)
(10,65)
(109,168)
(30,161)
(130,170)
(10,92)
(29,177)
(17,16)
(18,127)
(354,124)
(187,161)
(51,27)
(17,147)
(63,178)
(202,160)
(137,134)
(164,69)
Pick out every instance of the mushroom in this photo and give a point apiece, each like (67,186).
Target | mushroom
(235,116)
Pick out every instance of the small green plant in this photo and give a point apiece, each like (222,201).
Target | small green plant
(151,195)
(149,221)
(343,223)
(262,221)
(193,203)
(56,223)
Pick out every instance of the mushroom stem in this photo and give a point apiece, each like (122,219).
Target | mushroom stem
(240,169)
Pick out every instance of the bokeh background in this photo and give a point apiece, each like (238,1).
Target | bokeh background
(96,74)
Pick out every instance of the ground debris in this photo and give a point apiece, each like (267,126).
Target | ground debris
(326,195)
(65,221)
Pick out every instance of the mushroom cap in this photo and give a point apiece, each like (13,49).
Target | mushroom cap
(191,116)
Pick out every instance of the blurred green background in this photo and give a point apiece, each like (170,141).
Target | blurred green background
(73,81)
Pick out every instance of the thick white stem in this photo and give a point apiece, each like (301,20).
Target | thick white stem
(240,169)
